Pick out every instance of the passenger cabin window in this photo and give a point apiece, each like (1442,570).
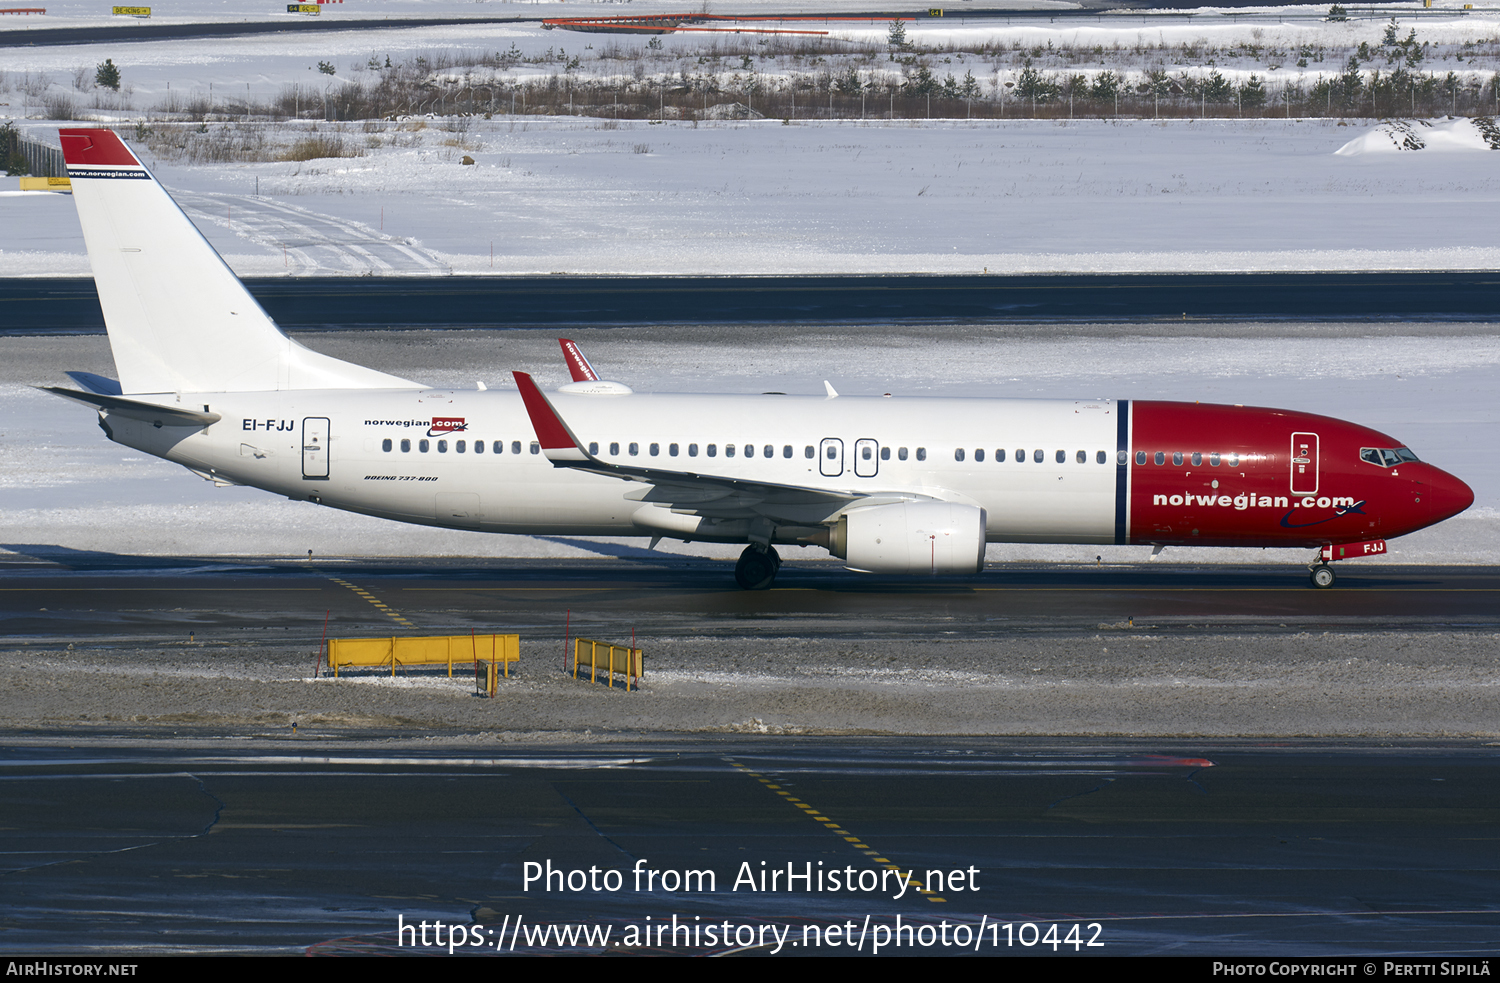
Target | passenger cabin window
(593,447)
(655,450)
(1197,459)
(459,447)
(535,448)
(979,454)
(999,455)
(1177,459)
(635,448)
(729,450)
(1020,455)
(921,453)
(958,455)
(385,445)
(901,454)
(713,450)
(405,446)
(885,453)
(785,451)
(478,447)
(515,447)
(1140,458)
(1213,459)
(1062,457)
(614,448)
(423,445)
(1234,459)
(807,452)
(1038,455)
(1082,457)
(671,450)
(442,447)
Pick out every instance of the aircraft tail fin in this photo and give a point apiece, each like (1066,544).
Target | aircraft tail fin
(179,320)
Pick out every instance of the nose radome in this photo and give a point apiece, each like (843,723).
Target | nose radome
(1448,495)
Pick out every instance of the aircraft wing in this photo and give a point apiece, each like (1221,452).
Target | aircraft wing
(689,492)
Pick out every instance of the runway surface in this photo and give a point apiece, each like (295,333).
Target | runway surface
(70,305)
(76,595)
(1171,847)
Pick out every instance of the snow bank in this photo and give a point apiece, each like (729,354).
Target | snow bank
(1443,135)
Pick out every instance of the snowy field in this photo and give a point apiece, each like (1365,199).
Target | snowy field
(64,486)
(592,196)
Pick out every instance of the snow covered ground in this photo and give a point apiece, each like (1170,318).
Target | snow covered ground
(64,486)
(599,196)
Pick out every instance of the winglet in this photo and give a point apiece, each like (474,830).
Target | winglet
(578,365)
(557,441)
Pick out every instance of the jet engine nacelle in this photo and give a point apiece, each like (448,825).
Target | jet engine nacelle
(911,537)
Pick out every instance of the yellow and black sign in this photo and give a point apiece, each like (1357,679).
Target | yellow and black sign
(131,11)
(303,8)
(934,11)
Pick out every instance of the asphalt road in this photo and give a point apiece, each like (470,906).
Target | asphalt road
(76,595)
(1170,847)
(70,305)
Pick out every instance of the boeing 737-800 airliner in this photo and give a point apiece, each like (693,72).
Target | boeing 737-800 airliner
(888,484)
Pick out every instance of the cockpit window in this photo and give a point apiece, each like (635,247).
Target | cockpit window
(1386,457)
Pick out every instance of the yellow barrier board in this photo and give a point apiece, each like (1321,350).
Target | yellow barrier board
(430,650)
(131,11)
(609,659)
(303,8)
(46,184)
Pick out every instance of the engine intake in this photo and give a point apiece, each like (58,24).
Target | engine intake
(911,537)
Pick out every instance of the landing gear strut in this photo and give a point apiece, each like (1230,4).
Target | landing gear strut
(757,568)
(1321,575)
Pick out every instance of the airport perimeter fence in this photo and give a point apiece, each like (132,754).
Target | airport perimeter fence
(25,156)
(29,156)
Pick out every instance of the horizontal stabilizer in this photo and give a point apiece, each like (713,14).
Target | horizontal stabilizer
(96,383)
(135,409)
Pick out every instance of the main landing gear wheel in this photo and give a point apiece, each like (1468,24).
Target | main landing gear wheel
(757,568)
(1322,576)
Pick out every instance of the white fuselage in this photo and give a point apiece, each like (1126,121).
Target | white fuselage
(410,455)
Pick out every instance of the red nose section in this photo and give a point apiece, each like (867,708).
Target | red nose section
(1447,496)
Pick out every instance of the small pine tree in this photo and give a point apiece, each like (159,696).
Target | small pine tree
(327,68)
(1252,93)
(107,75)
(1216,88)
(896,38)
(1337,13)
(1390,40)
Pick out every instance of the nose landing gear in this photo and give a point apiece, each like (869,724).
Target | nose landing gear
(1321,575)
(757,567)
